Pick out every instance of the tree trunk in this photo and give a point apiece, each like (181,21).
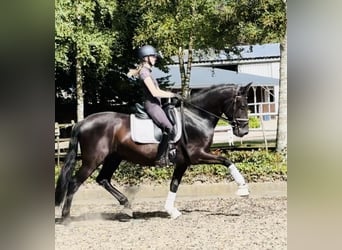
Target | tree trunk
(181,69)
(79,90)
(186,92)
(282,112)
(185,74)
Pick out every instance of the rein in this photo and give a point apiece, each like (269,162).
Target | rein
(234,122)
(206,111)
(219,117)
(183,122)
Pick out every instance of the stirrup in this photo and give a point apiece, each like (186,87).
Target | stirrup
(172,155)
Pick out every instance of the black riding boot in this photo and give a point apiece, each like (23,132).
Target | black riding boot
(162,158)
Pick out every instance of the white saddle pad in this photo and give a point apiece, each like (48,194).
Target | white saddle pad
(142,130)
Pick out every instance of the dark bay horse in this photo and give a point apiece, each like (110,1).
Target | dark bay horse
(105,139)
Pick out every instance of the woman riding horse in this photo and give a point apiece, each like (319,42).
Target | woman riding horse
(105,139)
(153,94)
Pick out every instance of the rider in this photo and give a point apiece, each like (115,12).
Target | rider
(153,94)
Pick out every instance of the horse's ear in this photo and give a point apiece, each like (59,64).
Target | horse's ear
(244,89)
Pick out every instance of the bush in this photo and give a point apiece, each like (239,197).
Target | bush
(261,165)
(222,123)
(255,166)
(254,122)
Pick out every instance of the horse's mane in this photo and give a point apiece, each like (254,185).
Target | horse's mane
(203,93)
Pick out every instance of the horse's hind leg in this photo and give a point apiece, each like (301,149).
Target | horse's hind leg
(110,164)
(80,176)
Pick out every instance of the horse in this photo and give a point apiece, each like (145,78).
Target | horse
(105,139)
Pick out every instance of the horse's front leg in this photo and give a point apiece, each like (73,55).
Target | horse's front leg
(207,158)
(171,197)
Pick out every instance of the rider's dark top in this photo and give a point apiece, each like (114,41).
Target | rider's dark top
(143,74)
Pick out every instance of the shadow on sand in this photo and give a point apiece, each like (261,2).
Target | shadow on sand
(122,217)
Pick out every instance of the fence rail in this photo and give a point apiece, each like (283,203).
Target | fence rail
(61,144)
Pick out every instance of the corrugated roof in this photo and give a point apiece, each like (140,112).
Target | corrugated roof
(260,51)
(248,52)
(202,77)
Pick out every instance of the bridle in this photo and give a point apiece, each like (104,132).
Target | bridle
(235,122)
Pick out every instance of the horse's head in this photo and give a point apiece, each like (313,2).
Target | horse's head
(238,112)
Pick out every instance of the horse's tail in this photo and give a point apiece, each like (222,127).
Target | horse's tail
(67,170)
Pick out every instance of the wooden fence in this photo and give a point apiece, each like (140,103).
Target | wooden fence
(61,144)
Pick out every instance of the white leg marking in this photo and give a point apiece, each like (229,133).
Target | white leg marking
(169,206)
(243,187)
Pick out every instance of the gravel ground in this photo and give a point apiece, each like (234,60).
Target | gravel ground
(206,223)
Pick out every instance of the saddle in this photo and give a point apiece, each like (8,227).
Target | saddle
(144,130)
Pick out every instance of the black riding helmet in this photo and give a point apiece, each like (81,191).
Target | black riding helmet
(147,50)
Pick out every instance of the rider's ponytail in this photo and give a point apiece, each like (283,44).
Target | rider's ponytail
(135,72)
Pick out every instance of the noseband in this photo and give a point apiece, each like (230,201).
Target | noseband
(237,123)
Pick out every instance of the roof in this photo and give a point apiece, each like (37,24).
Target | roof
(258,51)
(202,77)
(247,52)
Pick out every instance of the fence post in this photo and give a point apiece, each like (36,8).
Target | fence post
(263,132)
(57,134)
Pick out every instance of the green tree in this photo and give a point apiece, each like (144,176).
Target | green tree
(264,22)
(89,33)
(83,37)
(176,26)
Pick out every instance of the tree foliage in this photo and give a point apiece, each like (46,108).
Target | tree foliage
(249,22)
(84,39)
(102,37)
(176,26)
(83,30)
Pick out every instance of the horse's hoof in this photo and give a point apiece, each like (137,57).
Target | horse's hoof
(127,211)
(65,221)
(173,212)
(243,191)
